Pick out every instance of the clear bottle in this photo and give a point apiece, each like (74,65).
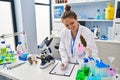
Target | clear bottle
(101,68)
(85,67)
(103,15)
(84,71)
(92,64)
(3,48)
(98,14)
(80,75)
(20,48)
(10,52)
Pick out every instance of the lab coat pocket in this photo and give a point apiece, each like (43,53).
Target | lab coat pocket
(80,51)
(81,54)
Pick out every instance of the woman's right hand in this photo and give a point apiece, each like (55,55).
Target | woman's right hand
(64,65)
(88,52)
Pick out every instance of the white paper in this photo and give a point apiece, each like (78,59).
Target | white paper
(58,71)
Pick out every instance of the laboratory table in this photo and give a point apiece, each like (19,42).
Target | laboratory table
(33,72)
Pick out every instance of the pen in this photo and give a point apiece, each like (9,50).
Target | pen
(15,65)
(5,63)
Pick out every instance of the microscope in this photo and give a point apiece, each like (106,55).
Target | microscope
(46,55)
(96,32)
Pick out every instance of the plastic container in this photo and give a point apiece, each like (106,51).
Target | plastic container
(84,72)
(9,50)
(3,48)
(111,71)
(85,67)
(101,68)
(10,57)
(80,75)
(23,57)
(94,77)
(103,15)
(20,49)
(92,65)
(1,60)
(109,11)
(98,14)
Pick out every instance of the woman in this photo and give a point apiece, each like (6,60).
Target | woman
(71,48)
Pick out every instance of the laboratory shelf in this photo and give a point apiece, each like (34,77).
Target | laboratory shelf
(108,41)
(82,2)
(93,20)
(97,40)
(83,7)
(117,20)
(87,2)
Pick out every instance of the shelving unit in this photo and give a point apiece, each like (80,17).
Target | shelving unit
(86,1)
(95,20)
(109,41)
(82,2)
(87,9)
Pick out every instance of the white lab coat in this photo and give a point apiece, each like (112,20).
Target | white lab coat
(65,46)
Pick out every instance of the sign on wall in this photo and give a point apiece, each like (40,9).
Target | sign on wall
(58,10)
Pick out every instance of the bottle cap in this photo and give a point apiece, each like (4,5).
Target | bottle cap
(101,64)
(85,60)
(2,42)
(91,58)
(19,42)
(98,10)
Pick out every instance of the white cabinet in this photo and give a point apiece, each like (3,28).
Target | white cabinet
(117,21)
(106,50)
(86,12)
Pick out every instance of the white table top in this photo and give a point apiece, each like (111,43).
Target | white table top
(33,72)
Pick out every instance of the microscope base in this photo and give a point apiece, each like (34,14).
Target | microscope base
(47,64)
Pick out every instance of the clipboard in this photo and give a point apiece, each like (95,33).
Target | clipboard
(56,70)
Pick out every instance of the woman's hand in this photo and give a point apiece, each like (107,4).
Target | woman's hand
(88,51)
(64,65)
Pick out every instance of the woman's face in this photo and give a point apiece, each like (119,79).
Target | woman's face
(70,23)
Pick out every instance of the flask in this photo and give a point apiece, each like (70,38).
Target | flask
(94,77)
(10,52)
(84,71)
(92,64)
(111,71)
(101,68)
(109,12)
(98,14)
(3,48)
(20,48)
(80,75)
(85,67)
(96,32)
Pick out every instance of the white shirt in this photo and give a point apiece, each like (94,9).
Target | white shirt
(65,44)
